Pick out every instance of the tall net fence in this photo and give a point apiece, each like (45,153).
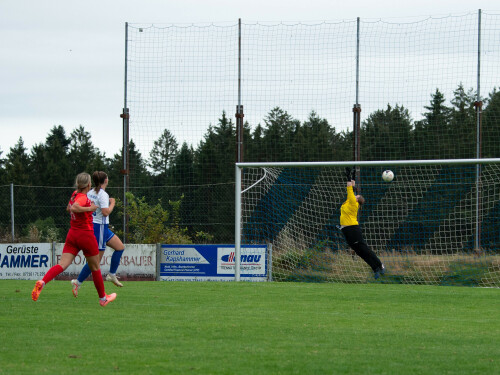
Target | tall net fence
(298,84)
(181,79)
(426,88)
(38,213)
(35,213)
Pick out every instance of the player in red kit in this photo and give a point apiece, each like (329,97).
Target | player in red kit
(80,237)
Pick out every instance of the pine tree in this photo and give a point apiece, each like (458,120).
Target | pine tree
(182,180)
(50,161)
(162,154)
(214,168)
(279,133)
(491,126)
(83,155)
(321,142)
(386,134)
(462,132)
(430,133)
(17,169)
(254,145)
(17,164)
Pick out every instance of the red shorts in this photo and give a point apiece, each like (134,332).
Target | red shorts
(84,240)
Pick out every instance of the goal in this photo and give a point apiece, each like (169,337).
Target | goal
(437,222)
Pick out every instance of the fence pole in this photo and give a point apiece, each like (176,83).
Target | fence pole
(158,261)
(239,107)
(239,158)
(237,225)
(357,114)
(270,262)
(478,104)
(125,171)
(125,116)
(12,210)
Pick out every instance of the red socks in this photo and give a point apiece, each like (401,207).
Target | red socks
(52,273)
(96,276)
(99,284)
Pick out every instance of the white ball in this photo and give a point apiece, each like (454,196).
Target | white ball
(387,176)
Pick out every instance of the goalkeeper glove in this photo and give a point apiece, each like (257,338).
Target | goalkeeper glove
(348,173)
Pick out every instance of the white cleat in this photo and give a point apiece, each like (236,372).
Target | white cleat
(76,286)
(114,280)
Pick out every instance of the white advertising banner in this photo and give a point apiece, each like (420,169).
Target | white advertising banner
(25,261)
(138,262)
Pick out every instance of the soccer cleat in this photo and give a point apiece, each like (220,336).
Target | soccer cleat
(109,298)
(37,289)
(76,286)
(379,271)
(382,270)
(114,280)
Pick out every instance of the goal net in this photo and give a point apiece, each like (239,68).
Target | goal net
(437,222)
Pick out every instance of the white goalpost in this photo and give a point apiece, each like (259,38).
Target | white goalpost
(437,222)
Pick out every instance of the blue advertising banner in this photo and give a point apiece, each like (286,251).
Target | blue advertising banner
(212,262)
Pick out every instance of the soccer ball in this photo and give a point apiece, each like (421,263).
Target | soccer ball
(387,176)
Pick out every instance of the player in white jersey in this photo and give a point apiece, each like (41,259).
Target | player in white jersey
(101,200)
(103,234)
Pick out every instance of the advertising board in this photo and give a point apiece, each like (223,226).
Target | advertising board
(25,261)
(211,263)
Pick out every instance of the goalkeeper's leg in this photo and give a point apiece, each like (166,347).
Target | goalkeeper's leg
(355,240)
(367,254)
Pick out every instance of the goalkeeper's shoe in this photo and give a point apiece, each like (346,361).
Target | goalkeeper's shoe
(37,289)
(76,286)
(379,271)
(113,279)
(109,298)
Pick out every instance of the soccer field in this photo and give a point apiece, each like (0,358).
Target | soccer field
(249,328)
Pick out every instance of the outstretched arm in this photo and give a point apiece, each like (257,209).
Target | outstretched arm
(351,198)
(76,208)
(350,175)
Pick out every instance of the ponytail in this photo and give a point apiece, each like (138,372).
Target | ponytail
(98,177)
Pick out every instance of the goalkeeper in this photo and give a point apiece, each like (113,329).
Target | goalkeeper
(350,226)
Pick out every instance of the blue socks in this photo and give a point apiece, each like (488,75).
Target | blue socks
(115,261)
(84,273)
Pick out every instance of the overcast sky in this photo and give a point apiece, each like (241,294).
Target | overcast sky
(62,61)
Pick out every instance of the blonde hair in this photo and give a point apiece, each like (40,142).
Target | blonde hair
(82,181)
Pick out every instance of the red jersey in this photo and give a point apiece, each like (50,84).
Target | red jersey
(81,220)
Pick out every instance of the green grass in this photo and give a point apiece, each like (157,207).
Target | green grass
(320,264)
(250,328)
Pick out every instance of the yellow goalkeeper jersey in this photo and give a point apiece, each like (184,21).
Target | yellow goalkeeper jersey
(349,209)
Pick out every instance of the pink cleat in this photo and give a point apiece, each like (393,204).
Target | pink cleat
(109,298)
(37,289)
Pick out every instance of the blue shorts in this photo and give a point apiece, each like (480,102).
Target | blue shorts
(102,235)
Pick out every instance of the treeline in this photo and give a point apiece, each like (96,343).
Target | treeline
(202,177)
